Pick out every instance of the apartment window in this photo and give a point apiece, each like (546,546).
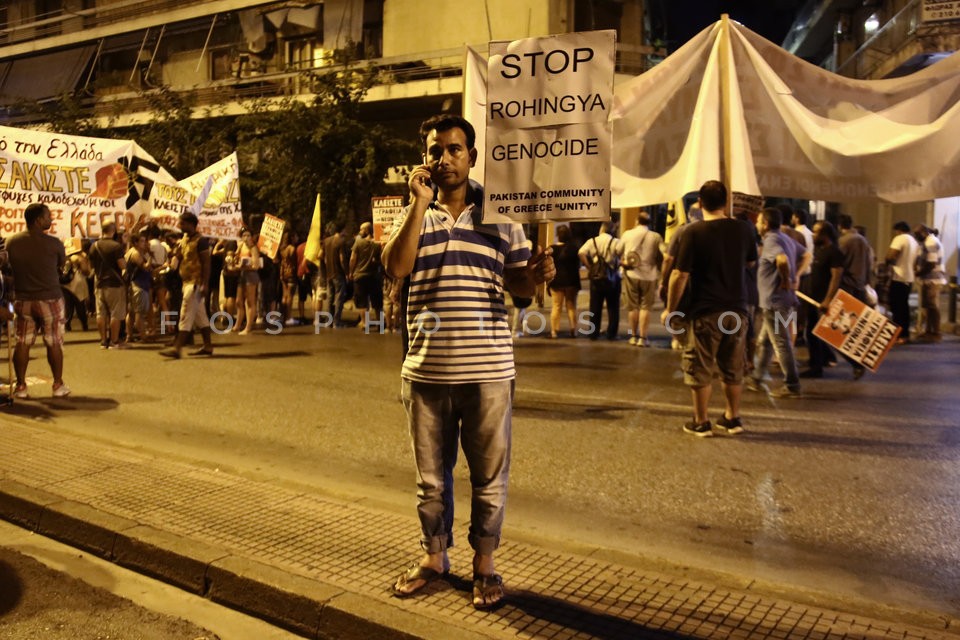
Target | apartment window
(371,45)
(306,53)
(49,8)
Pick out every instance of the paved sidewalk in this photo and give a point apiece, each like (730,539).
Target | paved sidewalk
(323,568)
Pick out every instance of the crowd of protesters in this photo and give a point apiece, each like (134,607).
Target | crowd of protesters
(130,281)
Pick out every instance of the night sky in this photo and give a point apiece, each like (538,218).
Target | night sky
(686,18)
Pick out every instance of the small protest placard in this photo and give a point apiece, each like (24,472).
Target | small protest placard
(856,330)
(386,210)
(270,234)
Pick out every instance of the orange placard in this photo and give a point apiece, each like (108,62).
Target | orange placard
(270,234)
(386,210)
(856,330)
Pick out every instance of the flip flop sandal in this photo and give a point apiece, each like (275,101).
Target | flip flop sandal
(414,573)
(487,592)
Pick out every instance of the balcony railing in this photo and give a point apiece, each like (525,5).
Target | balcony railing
(66,22)
(890,38)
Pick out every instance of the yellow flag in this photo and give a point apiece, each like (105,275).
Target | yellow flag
(312,251)
(676,218)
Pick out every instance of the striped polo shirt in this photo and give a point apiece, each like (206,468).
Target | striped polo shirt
(456,316)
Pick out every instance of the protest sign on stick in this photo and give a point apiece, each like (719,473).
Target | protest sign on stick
(386,210)
(270,234)
(855,330)
(547,154)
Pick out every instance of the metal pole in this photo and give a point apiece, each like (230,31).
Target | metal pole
(156,48)
(206,43)
(136,64)
(93,65)
(952,301)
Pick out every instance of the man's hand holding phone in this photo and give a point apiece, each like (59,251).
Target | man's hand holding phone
(420,184)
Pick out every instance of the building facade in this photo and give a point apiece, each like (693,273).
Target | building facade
(222,52)
(875,39)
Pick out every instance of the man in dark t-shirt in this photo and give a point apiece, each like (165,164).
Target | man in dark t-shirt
(825,275)
(106,258)
(336,272)
(713,256)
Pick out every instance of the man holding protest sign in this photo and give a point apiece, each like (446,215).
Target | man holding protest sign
(458,374)
(36,258)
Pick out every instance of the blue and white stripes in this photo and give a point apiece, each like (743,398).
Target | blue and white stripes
(456,316)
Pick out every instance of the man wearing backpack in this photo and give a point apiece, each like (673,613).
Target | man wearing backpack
(601,256)
(641,269)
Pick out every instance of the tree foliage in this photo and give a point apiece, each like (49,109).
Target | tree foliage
(181,137)
(295,149)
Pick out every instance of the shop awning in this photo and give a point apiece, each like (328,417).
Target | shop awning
(43,76)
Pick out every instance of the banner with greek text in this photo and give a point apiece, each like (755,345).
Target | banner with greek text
(386,210)
(221,213)
(84,181)
(856,330)
(547,154)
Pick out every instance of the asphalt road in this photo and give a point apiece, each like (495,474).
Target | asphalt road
(852,491)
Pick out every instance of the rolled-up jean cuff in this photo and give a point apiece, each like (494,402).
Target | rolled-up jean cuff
(436,544)
(484,545)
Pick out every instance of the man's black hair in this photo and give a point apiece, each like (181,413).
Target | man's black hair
(802,216)
(33,212)
(773,217)
(189,217)
(845,221)
(713,195)
(444,122)
(828,230)
(902,226)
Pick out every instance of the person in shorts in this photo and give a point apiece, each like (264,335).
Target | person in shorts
(36,258)
(641,266)
(712,257)
(106,257)
(193,257)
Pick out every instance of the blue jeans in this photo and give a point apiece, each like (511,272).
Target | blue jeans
(443,417)
(775,333)
(336,297)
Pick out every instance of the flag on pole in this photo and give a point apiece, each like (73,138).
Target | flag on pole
(197,206)
(312,251)
(676,218)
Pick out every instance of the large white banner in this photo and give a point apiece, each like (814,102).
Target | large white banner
(795,130)
(221,214)
(84,181)
(547,154)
